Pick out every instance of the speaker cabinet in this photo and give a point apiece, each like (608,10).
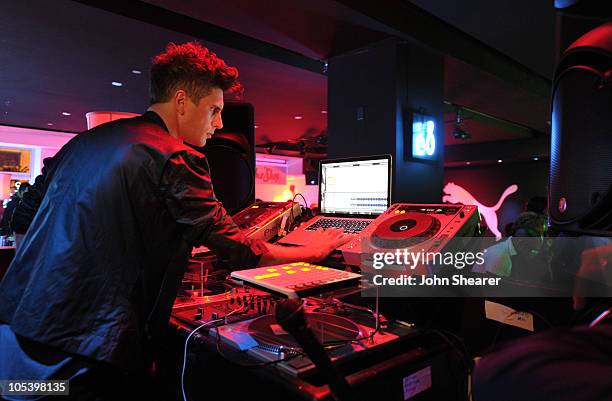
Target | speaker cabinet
(580,198)
(231,155)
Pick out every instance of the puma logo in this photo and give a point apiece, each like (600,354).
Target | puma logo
(456,194)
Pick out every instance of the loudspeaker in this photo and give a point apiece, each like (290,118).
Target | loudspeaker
(580,198)
(586,8)
(231,155)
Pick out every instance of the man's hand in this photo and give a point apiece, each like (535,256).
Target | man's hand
(325,242)
(595,271)
(318,249)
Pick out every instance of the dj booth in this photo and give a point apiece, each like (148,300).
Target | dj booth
(225,321)
(358,345)
(244,353)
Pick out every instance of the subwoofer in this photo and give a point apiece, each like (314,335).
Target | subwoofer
(580,198)
(231,156)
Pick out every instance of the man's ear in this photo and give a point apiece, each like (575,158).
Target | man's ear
(180,98)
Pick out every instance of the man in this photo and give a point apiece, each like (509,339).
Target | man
(526,240)
(5,224)
(115,215)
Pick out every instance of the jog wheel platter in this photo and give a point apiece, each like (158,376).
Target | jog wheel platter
(404,230)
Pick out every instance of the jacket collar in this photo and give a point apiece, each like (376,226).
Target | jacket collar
(155,118)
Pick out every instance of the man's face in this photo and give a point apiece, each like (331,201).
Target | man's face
(199,121)
(527,242)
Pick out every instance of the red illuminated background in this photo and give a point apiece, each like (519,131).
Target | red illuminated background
(62,57)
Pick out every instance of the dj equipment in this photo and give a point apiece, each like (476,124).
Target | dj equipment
(290,315)
(295,280)
(246,353)
(264,220)
(580,198)
(344,201)
(405,225)
(219,300)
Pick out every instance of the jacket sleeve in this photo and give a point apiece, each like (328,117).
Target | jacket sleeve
(188,193)
(26,209)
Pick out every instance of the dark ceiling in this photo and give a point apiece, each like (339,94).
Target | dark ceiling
(63,55)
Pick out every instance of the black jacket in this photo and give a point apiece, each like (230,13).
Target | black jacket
(117,212)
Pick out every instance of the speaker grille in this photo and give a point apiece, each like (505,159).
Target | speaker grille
(581,147)
(232,175)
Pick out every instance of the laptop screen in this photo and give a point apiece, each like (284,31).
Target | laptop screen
(356,186)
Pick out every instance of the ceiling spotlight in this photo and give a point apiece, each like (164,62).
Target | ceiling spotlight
(459,132)
(323,111)
(297,117)
(500,160)
(536,158)
(65,113)
(256,126)
(115,83)
(468,163)
(137,72)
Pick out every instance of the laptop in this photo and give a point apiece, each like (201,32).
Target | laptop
(352,193)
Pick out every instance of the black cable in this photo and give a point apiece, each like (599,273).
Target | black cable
(304,199)
(292,203)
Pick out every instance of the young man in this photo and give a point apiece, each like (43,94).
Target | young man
(114,217)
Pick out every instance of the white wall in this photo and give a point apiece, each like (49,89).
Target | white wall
(295,177)
(40,143)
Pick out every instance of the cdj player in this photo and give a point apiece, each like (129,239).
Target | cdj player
(412,226)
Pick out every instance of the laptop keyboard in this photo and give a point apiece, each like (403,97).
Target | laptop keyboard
(349,226)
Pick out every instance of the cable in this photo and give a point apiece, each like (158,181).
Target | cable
(224,320)
(293,201)
(302,196)
(185,354)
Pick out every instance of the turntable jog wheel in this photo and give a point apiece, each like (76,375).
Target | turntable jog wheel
(405,230)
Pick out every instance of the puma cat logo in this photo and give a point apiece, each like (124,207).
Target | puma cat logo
(456,194)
